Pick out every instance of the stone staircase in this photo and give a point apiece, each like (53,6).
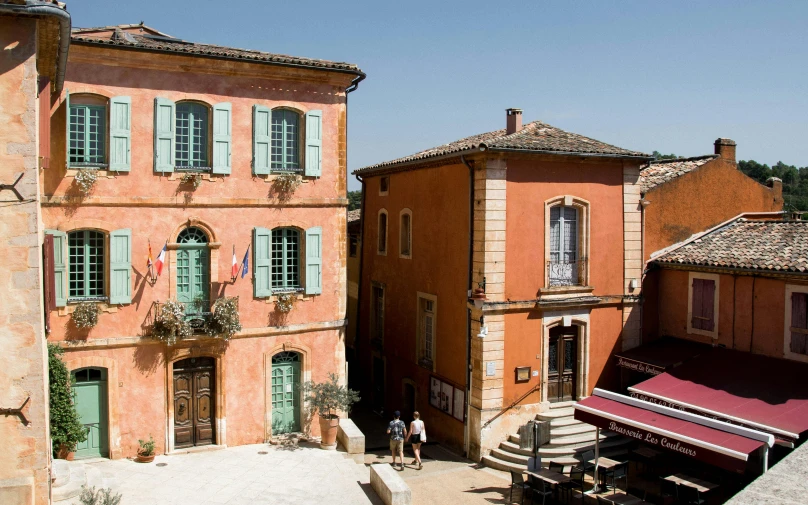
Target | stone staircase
(68,477)
(568,439)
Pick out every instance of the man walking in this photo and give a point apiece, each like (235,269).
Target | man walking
(397,431)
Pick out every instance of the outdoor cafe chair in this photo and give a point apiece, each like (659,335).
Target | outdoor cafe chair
(668,489)
(585,457)
(518,481)
(576,482)
(604,501)
(541,488)
(690,495)
(556,467)
(615,474)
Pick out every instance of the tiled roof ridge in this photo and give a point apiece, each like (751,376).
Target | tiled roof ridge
(118,27)
(143,42)
(674,160)
(554,141)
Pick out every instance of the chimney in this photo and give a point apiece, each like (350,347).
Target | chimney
(777,188)
(514,123)
(726,149)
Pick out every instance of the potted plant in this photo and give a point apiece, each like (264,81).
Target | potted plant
(170,324)
(327,399)
(285,302)
(145,453)
(285,185)
(65,426)
(85,180)
(225,321)
(85,315)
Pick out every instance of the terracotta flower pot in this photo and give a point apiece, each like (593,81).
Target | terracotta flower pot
(65,453)
(328,432)
(140,458)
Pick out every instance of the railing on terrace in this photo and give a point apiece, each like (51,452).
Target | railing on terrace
(197,314)
(566,273)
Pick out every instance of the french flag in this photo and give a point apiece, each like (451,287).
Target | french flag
(234,270)
(161,258)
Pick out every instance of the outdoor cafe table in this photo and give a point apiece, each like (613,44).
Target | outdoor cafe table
(550,476)
(603,464)
(625,499)
(702,485)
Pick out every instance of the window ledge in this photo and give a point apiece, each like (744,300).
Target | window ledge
(99,172)
(565,291)
(300,295)
(427,363)
(183,169)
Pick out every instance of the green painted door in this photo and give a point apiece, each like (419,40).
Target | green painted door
(90,396)
(193,271)
(285,393)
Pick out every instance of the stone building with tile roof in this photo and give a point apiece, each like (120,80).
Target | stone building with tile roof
(685,196)
(742,285)
(208,153)
(546,224)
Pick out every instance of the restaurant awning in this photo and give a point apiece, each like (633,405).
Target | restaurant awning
(714,442)
(660,355)
(759,392)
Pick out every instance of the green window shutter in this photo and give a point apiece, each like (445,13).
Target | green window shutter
(314,143)
(262,250)
(120,133)
(67,136)
(262,117)
(120,266)
(163,135)
(222,113)
(314,261)
(59,265)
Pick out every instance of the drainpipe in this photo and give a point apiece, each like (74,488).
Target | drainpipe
(42,9)
(466,437)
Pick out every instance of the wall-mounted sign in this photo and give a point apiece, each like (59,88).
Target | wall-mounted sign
(447,398)
(522,373)
(490,368)
(639,366)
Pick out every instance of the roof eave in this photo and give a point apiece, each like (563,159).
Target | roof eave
(728,269)
(570,153)
(355,72)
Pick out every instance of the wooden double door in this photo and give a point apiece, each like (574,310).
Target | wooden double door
(562,363)
(194,402)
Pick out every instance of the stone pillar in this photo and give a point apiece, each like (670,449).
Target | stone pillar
(632,256)
(489,263)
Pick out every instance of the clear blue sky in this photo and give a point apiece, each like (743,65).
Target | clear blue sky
(666,76)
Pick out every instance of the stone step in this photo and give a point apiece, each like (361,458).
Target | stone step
(554,452)
(71,488)
(560,422)
(571,429)
(573,440)
(60,473)
(556,413)
(505,466)
(510,457)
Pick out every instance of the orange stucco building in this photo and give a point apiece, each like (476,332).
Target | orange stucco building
(543,222)
(215,153)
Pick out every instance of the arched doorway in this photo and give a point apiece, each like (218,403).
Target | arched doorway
(562,364)
(285,392)
(193,271)
(90,398)
(194,402)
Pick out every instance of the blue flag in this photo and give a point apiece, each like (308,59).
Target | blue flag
(246,263)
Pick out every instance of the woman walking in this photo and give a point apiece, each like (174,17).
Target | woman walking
(418,434)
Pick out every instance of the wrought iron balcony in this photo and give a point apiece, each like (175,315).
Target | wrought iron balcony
(197,314)
(566,273)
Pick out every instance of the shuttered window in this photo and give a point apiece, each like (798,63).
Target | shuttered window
(285,259)
(191,141)
(799,323)
(382,233)
(426,331)
(406,235)
(285,140)
(564,267)
(87,135)
(86,264)
(703,305)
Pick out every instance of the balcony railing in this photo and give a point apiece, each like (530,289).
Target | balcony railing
(197,314)
(566,273)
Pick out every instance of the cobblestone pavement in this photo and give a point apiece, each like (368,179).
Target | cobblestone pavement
(251,474)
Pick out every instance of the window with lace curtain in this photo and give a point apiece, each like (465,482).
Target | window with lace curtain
(564,266)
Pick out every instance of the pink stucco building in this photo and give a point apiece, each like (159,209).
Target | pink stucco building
(212,152)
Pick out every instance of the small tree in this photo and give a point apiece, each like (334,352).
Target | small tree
(329,397)
(65,426)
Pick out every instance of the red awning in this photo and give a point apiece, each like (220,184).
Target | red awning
(756,391)
(713,442)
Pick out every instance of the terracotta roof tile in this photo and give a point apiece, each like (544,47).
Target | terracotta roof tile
(536,136)
(768,246)
(149,42)
(661,171)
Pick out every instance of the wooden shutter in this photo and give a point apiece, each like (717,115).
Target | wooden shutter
(67,128)
(164,129)
(222,123)
(696,304)
(262,123)
(59,266)
(708,305)
(262,262)
(120,266)
(799,323)
(120,133)
(48,277)
(314,261)
(314,143)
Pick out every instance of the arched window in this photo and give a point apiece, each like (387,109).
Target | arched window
(192,235)
(564,268)
(191,148)
(87,130)
(285,140)
(382,232)
(86,264)
(193,270)
(285,258)
(405,231)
